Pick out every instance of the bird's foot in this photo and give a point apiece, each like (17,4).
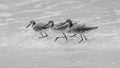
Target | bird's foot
(73,35)
(56,39)
(40,37)
(80,40)
(59,37)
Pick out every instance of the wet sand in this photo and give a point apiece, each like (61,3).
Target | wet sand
(62,58)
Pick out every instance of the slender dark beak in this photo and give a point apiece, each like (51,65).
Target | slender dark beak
(28,25)
(62,23)
(49,24)
(46,25)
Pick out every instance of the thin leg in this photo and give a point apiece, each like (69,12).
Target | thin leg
(61,37)
(65,36)
(73,35)
(81,38)
(56,38)
(46,34)
(41,35)
(84,37)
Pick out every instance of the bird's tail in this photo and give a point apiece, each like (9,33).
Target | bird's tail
(89,28)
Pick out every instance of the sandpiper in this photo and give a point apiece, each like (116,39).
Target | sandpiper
(38,27)
(78,29)
(59,28)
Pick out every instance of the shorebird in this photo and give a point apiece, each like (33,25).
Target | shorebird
(59,28)
(62,27)
(38,27)
(70,21)
(78,29)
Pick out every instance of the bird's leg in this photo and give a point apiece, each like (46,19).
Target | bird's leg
(56,38)
(84,37)
(81,38)
(41,35)
(65,36)
(73,35)
(61,37)
(46,34)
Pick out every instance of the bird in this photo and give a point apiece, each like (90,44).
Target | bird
(38,27)
(70,21)
(78,29)
(59,28)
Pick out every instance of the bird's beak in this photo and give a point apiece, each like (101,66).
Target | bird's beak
(46,26)
(28,25)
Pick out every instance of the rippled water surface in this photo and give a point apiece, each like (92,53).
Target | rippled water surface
(21,48)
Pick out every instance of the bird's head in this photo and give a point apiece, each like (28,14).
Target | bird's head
(51,23)
(32,22)
(69,21)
